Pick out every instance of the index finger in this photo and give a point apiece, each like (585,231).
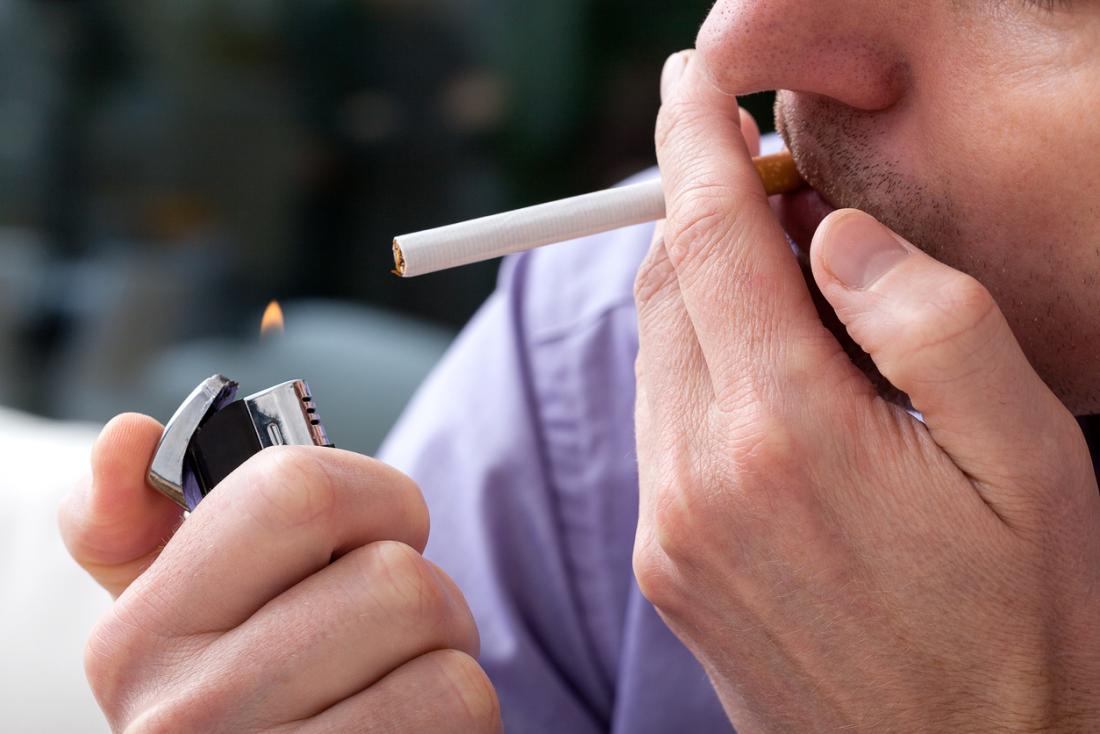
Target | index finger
(282,516)
(740,283)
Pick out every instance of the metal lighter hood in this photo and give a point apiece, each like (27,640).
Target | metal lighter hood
(212,433)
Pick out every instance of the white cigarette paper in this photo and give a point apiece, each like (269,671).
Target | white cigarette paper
(559,221)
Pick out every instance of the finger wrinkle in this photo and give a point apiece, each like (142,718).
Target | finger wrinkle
(654,280)
(682,121)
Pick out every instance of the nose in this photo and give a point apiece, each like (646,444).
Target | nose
(843,49)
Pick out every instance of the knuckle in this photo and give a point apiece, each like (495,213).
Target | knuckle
(468,692)
(668,118)
(355,478)
(654,275)
(117,646)
(812,366)
(736,488)
(656,579)
(417,594)
(160,720)
(1071,439)
(765,478)
(762,449)
(465,634)
(675,121)
(118,658)
(676,522)
(294,486)
(964,294)
(107,655)
(956,319)
(415,519)
(963,306)
(671,549)
(1062,459)
(672,481)
(698,216)
(202,708)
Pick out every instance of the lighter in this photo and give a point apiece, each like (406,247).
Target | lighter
(212,433)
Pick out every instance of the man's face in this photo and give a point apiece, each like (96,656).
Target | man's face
(968,126)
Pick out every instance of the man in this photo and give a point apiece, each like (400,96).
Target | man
(823,559)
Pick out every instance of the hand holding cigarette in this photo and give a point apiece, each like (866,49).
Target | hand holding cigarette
(293,599)
(448,247)
(854,549)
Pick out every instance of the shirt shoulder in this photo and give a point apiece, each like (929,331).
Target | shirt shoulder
(569,285)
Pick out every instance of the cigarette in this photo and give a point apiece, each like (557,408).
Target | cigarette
(469,242)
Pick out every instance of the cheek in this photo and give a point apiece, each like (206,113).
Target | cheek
(1007,113)
(991,131)
(1021,170)
(1020,167)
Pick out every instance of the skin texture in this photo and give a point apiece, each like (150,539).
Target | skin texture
(834,563)
(293,600)
(962,126)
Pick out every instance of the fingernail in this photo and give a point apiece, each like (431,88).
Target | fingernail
(674,69)
(861,250)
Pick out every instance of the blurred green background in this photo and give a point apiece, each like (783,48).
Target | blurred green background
(168,166)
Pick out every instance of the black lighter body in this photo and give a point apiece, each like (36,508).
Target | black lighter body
(212,433)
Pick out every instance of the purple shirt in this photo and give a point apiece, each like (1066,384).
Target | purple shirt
(523,443)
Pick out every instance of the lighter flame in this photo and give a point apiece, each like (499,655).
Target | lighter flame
(272,321)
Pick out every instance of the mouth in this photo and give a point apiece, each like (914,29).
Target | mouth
(800,213)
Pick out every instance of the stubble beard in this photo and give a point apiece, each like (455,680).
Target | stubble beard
(839,152)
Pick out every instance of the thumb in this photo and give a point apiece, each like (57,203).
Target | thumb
(936,334)
(115,524)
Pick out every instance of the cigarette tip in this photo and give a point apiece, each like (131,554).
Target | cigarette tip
(398,260)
